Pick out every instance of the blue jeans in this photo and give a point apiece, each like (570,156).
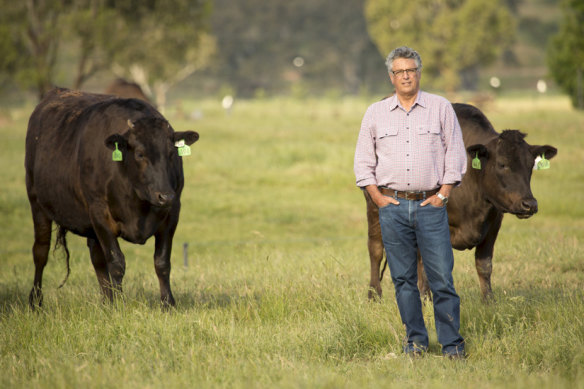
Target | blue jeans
(406,228)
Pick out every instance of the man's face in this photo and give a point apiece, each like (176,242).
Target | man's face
(407,83)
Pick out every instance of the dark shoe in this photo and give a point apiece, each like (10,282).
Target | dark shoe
(414,354)
(414,350)
(457,356)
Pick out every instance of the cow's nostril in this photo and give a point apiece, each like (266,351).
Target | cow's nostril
(165,198)
(530,205)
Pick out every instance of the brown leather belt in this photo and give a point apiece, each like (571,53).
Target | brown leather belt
(421,195)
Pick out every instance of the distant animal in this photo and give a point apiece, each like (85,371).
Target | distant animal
(73,182)
(477,206)
(126,89)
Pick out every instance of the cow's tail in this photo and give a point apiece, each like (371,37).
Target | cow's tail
(62,242)
(383,267)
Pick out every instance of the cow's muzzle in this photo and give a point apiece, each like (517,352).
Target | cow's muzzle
(163,199)
(528,208)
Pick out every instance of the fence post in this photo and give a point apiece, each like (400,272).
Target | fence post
(579,89)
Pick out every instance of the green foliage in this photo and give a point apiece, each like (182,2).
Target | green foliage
(29,40)
(454,37)
(258,41)
(275,292)
(565,54)
(161,38)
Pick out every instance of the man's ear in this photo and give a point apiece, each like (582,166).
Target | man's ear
(189,137)
(111,141)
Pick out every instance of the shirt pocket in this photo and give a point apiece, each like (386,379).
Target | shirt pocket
(428,130)
(387,132)
(387,140)
(430,137)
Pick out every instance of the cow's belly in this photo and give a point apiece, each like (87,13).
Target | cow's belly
(466,235)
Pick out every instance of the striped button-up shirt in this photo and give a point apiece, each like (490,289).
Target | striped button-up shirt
(410,151)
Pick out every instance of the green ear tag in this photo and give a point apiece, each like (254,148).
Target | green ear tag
(543,163)
(117,154)
(476,162)
(183,148)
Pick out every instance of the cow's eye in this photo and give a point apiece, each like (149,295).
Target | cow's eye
(139,155)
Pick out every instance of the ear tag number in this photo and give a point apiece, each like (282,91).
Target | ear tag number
(543,163)
(183,148)
(117,154)
(476,162)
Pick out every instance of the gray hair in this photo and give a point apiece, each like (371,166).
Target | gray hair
(403,52)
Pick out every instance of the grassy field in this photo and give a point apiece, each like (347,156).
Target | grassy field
(274,294)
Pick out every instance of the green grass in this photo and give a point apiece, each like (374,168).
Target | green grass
(275,291)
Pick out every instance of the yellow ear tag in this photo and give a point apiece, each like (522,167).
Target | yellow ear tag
(183,148)
(476,162)
(543,163)
(117,154)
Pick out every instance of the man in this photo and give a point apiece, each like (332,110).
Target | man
(409,156)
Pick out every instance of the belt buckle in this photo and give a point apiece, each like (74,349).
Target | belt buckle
(411,195)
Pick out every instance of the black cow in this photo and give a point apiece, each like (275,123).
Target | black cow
(72,180)
(476,207)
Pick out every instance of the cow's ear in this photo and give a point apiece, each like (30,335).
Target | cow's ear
(111,141)
(548,151)
(479,155)
(189,137)
(478,150)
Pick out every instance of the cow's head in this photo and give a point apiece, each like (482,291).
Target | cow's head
(150,158)
(507,162)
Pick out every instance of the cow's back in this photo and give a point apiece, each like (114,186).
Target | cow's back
(476,128)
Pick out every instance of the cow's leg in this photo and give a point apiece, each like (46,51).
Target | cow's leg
(100,265)
(104,225)
(484,258)
(374,245)
(40,251)
(163,248)
(423,284)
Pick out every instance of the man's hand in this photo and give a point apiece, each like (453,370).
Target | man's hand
(435,200)
(378,198)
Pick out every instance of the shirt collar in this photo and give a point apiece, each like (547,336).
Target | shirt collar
(420,100)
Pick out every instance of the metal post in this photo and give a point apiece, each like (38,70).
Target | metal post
(186,254)
(579,87)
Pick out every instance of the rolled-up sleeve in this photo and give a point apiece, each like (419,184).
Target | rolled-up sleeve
(455,153)
(365,158)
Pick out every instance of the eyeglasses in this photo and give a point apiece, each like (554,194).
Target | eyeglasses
(400,73)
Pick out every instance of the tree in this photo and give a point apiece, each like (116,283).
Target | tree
(565,54)
(258,40)
(163,42)
(454,37)
(160,42)
(30,33)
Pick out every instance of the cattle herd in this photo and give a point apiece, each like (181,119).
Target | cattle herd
(106,167)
